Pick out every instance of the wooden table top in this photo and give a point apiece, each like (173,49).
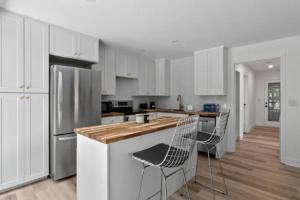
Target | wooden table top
(200,113)
(116,132)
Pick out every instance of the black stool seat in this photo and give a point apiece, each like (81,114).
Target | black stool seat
(202,136)
(155,155)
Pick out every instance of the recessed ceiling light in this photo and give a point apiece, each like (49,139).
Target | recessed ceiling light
(175,41)
(270,66)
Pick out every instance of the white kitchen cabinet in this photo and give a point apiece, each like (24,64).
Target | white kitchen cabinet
(70,44)
(126,64)
(152,115)
(107,66)
(112,120)
(145,84)
(151,77)
(162,74)
(24,138)
(63,42)
(36,136)
(11,53)
(11,140)
(36,56)
(210,71)
(88,48)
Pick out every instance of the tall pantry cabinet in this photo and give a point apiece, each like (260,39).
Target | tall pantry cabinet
(24,123)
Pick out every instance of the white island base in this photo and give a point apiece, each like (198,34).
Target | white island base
(107,171)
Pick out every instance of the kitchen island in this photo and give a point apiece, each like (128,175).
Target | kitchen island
(105,169)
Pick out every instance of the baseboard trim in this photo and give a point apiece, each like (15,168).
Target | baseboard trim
(294,162)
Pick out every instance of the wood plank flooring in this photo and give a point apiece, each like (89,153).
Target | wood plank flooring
(253,172)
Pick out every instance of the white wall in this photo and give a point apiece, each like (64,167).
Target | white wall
(261,79)
(288,49)
(247,96)
(182,82)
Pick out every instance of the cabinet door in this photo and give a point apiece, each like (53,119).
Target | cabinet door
(36,136)
(163,72)
(88,48)
(215,80)
(142,78)
(63,42)
(36,56)
(110,71)
(106,120)
(11,140)
(131,66)
(121,63)
(151,77)
(11,53)
(200,73)
(159,74)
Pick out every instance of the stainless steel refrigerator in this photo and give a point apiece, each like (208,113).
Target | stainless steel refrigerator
(75,101)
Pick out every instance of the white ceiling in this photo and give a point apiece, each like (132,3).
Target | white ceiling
(262,65)
(153,24)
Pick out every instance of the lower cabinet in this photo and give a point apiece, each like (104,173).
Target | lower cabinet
(23,138)
(112,120)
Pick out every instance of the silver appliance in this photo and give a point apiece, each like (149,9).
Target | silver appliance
(75,101)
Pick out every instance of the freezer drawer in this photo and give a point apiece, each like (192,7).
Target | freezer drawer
(63,156)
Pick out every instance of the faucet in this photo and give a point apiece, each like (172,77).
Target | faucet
(179,98)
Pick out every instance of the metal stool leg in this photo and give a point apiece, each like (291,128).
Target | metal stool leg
(165,180)
(186,185)
(196,167)
(141,181)
(222,172)
(161,185)
(211,173)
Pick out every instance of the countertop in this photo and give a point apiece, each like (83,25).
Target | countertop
(200,113)
(112,114)
(116,132)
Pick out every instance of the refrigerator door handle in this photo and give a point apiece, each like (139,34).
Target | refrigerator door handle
(67,138)
(59,96)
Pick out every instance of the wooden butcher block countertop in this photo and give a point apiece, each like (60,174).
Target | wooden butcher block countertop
(116,132)
(200,113)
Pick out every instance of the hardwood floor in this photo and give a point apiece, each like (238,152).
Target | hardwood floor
(253,172)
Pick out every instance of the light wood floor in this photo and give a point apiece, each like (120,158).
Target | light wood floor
(252,173)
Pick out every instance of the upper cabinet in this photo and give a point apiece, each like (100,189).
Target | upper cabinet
(126,64)
(107,62)
(162,74)
(210,70)
(28,73)
(11,53)
(146,78)
(36,56)
(70,44)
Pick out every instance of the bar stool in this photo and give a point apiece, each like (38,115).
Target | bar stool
(175,155)
(210,141)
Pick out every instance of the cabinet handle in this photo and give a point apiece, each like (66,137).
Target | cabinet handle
(28,97)
(28,87)
(22,86)
(76,53)
(79,54)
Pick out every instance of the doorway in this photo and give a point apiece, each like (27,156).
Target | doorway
(272,103)
(259,95)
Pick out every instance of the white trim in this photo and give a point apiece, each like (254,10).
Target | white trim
(292,162)
(233,63)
